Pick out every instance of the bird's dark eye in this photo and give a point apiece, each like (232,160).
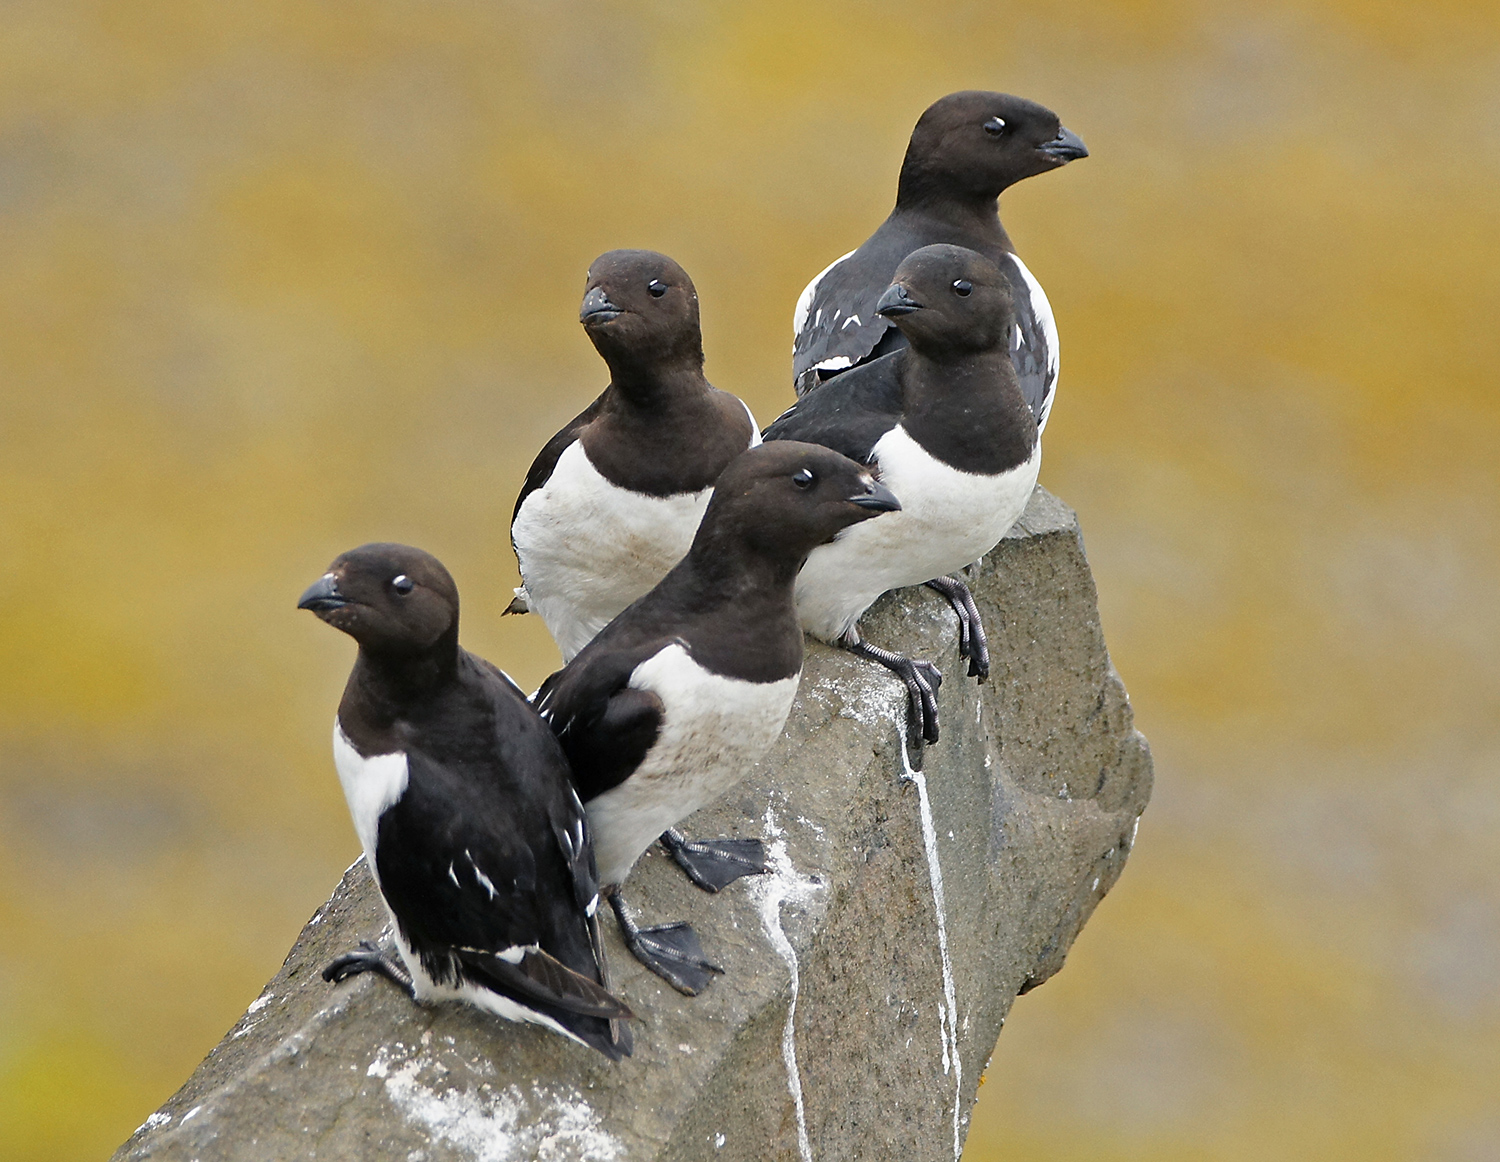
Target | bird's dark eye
(403,585)
(657,288)
(962,287)
(803,478)
(995,126)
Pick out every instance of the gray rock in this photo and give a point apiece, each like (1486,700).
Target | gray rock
(868,975)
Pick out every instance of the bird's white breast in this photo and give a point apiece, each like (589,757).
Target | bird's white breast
(371,786)
(588,548)
(948,519)
(714,729)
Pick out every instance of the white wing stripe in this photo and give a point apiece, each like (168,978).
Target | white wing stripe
(804,301)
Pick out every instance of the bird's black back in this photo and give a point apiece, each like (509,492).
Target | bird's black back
(488,797)
(849,413)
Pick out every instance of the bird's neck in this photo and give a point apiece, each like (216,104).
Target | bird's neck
(933,377)
(656,384)
(745,598)
(981,384)
(733,566)
(967,410)
(384,687)
(973,216)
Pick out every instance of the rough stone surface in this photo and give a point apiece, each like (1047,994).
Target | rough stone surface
(868,976)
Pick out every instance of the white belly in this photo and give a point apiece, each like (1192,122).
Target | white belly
(588,548)
(371,785)
(948,519)
(714,729)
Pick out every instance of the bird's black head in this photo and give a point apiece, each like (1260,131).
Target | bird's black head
(783,499)
(949,301)
(974,144)
(391,599)
(641,307)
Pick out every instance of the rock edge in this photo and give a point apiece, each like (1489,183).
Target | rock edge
(913,897)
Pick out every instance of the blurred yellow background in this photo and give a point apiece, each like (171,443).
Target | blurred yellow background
(281,278)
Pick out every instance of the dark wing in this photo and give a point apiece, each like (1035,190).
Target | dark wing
(849,413)
(489,900)
(576,842)
(552,450)
(486,863)
(605,727)
(542,977)
(1033,340)
(835,324)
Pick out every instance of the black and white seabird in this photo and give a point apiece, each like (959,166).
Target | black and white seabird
(675,700)
(465,808)
(945,425)
(966,149)
(613,499)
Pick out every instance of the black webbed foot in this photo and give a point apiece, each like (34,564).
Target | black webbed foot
(714,864)
(370,958)
(922,681)
(972,642)
(672,951)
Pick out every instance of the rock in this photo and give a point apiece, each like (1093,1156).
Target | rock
(868,975)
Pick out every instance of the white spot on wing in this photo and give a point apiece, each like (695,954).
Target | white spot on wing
(804,300)
(479,876)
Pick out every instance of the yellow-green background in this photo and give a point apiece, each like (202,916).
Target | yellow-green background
(279,278)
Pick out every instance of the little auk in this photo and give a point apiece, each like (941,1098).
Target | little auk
(674,701)
(613,499)
(945,425)
(466,811)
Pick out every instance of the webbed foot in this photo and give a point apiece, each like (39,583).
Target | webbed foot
(370,958)
(714,864)
(922,680)
(672,951)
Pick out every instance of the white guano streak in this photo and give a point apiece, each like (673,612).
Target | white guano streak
(948,1007)
(770,892)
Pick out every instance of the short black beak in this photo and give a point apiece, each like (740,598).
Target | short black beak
(878,499)
(895,302)
(323,596)
(1065,147)
(597,308)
